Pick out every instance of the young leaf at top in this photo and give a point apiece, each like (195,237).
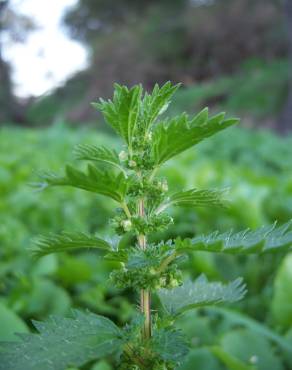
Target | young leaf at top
(98,154)
(95,180)
(156,103)
(194,198)
(199,293)
(62,342)
(66,241)
(181,133)
(122,113)
(263,240)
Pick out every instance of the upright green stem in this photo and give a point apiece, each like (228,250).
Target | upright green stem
(145,298)
(126,209)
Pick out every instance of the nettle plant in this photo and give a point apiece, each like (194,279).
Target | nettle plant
(131,179)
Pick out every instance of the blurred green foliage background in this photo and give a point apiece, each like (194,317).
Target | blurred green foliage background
(230,55)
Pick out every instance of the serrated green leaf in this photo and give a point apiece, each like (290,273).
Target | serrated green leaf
(263,240)
(181,133)
(95,153)
(62,342)
(194,198)
(156,103)
(122,113)
(66,241)
(95,180)
(117,256)
(200,293)
(170,345)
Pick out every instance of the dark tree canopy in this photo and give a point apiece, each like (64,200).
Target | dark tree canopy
(90,17)
(151,41)
(16,28)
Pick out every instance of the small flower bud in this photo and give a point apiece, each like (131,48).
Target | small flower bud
(164,186)
(123,156)
(132,163)
(148,136)
(173,283)
(126,225)
(253,359)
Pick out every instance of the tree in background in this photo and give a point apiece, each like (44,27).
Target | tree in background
(6,96)
(285,120)
(149,41)
(14,27)
(90,18)
(181,40)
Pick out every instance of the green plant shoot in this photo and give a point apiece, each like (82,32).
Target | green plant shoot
(131,179)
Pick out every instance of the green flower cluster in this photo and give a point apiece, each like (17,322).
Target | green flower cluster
(147,278)
(140,159)
(154,189)
(140,225)
(147,269)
